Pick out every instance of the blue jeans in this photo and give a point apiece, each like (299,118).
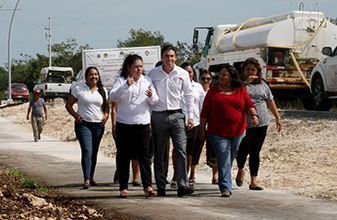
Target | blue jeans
(225,150)
(89,135)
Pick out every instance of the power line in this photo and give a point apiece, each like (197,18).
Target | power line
(94,12)
(78,9)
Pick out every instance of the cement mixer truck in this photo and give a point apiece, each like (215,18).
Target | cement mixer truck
(288,46)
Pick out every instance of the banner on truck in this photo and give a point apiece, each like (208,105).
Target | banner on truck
(109,61)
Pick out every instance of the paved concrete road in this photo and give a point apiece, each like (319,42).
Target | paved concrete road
(58,164)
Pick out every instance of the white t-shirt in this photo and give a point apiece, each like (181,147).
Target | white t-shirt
(170,88)
(198,97)
(133,104)
(89,104)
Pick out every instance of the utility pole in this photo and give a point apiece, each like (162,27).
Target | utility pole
(49,35)
(9,55)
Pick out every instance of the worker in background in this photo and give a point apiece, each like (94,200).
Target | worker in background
(35,106)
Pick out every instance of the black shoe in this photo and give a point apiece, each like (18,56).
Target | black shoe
(137,183)
(255,187)
(238,182)
(182,191)
(93,183)
(161,192)
(116,178)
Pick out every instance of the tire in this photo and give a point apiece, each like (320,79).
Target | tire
(307,104)
(320,103)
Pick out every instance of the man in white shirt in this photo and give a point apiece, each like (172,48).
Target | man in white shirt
(167,119)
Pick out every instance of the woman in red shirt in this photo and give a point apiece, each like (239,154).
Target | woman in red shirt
(224,110)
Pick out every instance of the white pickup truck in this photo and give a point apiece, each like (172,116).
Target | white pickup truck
(55,82)
(323,81)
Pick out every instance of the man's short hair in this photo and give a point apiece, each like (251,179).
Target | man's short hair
(168,47)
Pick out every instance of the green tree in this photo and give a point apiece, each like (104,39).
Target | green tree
(68,55)
(185,53)
(141,38)
(27,69)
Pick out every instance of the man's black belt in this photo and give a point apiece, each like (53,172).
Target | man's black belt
(171,111)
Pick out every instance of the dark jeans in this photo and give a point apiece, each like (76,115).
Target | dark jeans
(133,140)
(251,144)
(89,135)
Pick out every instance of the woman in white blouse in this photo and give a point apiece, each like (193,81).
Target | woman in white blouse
(134,93)
(92,114)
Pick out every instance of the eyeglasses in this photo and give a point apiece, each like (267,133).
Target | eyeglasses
(205,78)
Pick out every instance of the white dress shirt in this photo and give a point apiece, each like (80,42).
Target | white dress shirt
(133,103)
(198,100)
(170,88)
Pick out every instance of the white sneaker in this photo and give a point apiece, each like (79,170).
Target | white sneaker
(173,184)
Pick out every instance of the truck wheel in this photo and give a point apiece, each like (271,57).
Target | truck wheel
(307,104)
(320,103)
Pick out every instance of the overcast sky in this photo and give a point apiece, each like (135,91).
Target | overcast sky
(100,23)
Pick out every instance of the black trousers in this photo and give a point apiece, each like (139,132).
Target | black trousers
(191,136)
(133,140)
(251,144)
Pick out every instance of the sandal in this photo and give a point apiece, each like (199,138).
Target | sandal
(191,179)
(86,185)
(124,194)
(149,192)
(215,181)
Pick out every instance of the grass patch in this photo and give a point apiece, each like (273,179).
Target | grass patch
(14,172)
(27,182)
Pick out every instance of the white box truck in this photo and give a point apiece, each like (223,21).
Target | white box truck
(288,46)
(109,61)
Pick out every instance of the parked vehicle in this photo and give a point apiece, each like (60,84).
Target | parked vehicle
(55,82)
(109,61)
(19,91)
(323,81)
(286,45)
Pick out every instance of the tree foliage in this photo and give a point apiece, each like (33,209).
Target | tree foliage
(141,38)
(27,69)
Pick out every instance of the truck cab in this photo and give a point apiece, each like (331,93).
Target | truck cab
(324,80)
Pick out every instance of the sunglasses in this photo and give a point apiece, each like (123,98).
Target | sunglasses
(205,78)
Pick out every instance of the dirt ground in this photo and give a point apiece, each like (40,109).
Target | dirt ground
(301,158)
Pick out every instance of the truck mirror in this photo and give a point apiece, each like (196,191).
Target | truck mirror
(327,51)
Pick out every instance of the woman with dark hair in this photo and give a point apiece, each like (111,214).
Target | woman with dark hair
(224,110)
(252,143)
(134,93)
(90,118)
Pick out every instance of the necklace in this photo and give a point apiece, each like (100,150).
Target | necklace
(133,92)
(226,90)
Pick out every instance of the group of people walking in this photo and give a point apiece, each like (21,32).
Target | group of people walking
(167,103)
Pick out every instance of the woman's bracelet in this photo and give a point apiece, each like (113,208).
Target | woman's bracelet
(255,115)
